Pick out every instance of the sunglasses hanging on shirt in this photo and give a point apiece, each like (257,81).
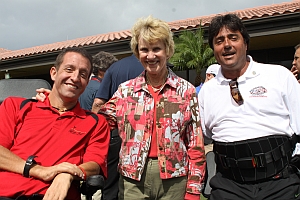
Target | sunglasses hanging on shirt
(235,92)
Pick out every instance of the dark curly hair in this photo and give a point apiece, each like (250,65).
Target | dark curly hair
(102,61)
(230,21)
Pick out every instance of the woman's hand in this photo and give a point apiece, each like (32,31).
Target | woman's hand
(40,96)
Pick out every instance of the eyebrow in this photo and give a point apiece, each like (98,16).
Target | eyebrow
(228,35)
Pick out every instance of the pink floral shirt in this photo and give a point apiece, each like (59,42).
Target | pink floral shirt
(179,135)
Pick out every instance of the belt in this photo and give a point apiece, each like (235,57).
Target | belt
(23,197)
(255,159)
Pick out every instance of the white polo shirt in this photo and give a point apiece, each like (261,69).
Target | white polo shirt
(271,104)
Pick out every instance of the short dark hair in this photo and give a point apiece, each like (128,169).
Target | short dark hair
(80,50)
(102,61)
(297,46)
(230,21)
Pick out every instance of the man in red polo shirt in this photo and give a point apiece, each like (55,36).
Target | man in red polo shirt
(46,146)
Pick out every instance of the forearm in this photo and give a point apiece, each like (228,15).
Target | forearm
(90,168)
(197,160)
(97,104)
(10,161)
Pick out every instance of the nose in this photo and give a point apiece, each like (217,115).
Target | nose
(75,76)
(294,62)
(151,55)
(227,43)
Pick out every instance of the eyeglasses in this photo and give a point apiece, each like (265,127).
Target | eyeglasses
(235,93)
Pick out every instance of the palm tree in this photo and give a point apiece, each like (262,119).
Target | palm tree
(192,53)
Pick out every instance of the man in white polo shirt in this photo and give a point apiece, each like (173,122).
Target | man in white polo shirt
(251,112)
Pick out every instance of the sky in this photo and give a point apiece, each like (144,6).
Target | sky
(30,23)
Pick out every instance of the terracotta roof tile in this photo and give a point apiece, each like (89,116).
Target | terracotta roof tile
(2,50)
(246,14)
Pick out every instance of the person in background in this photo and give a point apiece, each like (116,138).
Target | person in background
(250,111)
(210,73)
(157,116)
(296,62)
(47,147)
(121,71)
(101,62)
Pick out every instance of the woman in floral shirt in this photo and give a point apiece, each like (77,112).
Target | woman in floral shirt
(162,154)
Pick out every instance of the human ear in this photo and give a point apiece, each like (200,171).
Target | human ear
(53,73)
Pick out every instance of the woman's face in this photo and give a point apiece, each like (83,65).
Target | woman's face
(153,56)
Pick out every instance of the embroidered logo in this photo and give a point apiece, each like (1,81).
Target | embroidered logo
(259,91)
(76,132)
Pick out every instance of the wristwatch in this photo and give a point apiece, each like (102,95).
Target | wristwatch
(30,160)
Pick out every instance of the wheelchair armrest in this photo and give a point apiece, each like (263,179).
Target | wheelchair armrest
(91,185)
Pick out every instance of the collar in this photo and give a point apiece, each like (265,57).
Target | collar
(140,81)
(251,72)
(96,78)
(77,110)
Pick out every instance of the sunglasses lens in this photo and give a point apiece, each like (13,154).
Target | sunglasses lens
(235,93)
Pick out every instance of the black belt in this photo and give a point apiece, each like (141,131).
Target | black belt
(23,197)
(254,159)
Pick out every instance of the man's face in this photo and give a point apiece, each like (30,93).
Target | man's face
(230,50)
(72,76)
(296,61)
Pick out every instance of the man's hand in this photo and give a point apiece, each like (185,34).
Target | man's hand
(294,70)
(40,94)
(59,187)
(49,173)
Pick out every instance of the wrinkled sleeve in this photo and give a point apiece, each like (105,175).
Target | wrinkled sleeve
(196,153)
(291,99)
(8,114)
(109,109)
(205,130)
(97,147)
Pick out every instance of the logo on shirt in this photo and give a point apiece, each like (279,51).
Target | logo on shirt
(76,132)
(259,91)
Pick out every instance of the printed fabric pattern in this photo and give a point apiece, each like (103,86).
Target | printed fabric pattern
(179,134)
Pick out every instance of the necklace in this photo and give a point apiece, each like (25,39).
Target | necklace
(156,89)
(62,109)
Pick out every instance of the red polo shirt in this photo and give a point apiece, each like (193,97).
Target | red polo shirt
(38,129)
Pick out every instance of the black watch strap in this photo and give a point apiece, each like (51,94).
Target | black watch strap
(30,160)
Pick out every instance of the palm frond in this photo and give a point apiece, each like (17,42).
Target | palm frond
(191,52)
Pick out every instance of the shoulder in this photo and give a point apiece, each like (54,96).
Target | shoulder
(11,105)
(276,71)
(130,82)
(93,84)
(178,81)
(13,101)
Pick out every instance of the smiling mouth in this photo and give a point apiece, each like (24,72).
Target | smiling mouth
(72,86)
(151,62)
(228,54)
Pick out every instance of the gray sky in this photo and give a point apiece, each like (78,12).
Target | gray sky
(29,23)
